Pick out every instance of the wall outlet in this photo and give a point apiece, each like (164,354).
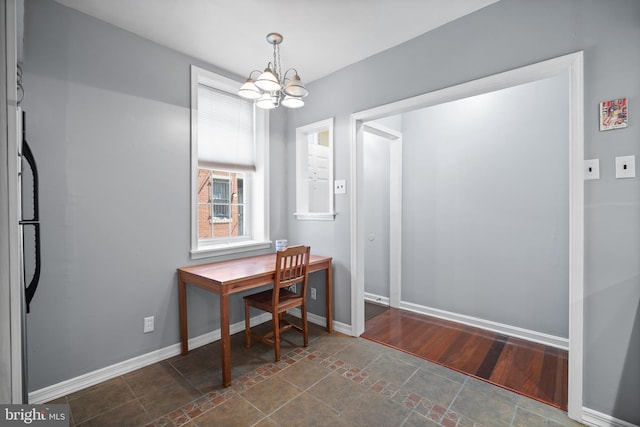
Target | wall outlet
(313,293)
(626,167)
(148,324)
(592,169)
(340,186)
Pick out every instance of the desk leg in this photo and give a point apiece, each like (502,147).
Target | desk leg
(225,340)
(329,295)
(182,309)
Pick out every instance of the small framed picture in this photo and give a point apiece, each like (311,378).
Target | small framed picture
(613,114)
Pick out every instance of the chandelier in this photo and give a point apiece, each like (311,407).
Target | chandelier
(272,88)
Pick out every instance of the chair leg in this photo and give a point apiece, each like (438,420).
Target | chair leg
(305,326)
(247,325)
(276,335)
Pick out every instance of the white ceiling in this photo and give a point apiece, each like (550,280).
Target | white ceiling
(320,36)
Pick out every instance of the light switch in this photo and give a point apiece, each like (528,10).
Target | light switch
(626,167)
(592,169)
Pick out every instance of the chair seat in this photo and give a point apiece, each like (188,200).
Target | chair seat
(264,300)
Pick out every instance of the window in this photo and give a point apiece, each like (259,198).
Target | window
(221,199)
(314,171)
(229,166)
(220,204)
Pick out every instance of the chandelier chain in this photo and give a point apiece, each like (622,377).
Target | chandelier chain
(276,62)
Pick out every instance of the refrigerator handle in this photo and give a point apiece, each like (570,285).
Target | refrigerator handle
(30,290)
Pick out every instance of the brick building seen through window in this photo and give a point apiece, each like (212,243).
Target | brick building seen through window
(220,204)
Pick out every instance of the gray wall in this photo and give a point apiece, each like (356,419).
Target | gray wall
(109,124)
(485,207)
(503,36)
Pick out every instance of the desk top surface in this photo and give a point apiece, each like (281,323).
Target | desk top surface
(245,268)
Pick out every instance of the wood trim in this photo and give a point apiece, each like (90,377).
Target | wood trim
(576,235)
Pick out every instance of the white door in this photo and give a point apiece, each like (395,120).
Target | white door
(382,197)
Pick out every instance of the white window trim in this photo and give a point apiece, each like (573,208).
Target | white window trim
(302,194)
(259,197)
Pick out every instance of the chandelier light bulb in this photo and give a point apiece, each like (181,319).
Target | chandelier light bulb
(295,87)
(292,102)
(268,81)
(249,90)
(267,101)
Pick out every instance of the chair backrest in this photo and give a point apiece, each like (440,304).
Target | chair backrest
(291,268)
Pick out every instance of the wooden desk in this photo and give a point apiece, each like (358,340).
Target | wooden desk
(228,277)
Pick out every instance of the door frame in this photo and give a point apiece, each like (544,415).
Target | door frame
(11,318)
(395,207)
(574,64)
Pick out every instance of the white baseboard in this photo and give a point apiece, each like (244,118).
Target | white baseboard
(92,378)
(550,340)
(322,321)
(72,385)
(513,331)
(598,419)
(376,299)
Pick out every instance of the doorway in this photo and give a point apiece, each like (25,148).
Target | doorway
(573,64)
(383,212)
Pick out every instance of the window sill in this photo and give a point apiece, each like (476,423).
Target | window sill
(228,248)
(317,216)
(220,221)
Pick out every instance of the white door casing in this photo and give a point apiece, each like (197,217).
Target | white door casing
(11,320)
(571,63)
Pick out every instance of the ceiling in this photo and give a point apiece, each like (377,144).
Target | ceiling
(320,36)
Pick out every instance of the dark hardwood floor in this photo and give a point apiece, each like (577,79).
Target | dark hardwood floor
(534,370)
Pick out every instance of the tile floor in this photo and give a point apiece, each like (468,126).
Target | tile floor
(337,381)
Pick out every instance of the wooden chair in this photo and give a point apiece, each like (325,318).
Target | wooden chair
(291,269)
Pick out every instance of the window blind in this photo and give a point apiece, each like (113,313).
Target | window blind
(225,130)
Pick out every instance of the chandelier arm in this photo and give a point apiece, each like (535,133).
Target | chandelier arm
(254,71)
(284,78)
